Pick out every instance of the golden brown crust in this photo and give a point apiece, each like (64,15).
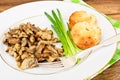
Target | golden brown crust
(85,35)
(81,16)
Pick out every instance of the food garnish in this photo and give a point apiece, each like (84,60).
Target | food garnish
(58,25)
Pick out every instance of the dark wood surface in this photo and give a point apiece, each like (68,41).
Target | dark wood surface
(108,7)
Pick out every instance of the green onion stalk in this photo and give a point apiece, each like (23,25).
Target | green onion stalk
(63,34)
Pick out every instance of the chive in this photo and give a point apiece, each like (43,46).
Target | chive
(58,25)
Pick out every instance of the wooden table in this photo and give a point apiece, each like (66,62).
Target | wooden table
(108,7)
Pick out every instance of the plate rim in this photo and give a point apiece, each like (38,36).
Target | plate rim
(64,2)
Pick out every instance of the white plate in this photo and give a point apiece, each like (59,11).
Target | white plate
(34,13)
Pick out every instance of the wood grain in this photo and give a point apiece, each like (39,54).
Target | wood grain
(112,73)
(108,7)
(6,4)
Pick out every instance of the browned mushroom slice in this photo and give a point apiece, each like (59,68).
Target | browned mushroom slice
(53,54)
(51,47)
(24,55)
(49,32)
(26,29)
(51,59)
(10,50)
(60,52)
(34,29)
(46,51)
(46,36)
(46,42)
(24,42)
(39,49)
(41,59)
(14,31)
(13,40)
(54,40)
(31,49)
(38,34)
(18,58)
(32,39)
(23,35)
(16,47)
(15,55)
(29,63)
(15,36)
(22,49)
(7,35)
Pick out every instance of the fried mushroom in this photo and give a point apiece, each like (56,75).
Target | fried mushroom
(29,45)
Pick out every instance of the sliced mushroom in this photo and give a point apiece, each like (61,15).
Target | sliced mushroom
(24,55)
(32,39)
(38,34)
(13,40)
(29,63)
(31,49)
(17,47)
(29,45)
(35,29)
(24,42)
(21,50)
(46,36)
(39,49)
(50,47)
(23,35)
